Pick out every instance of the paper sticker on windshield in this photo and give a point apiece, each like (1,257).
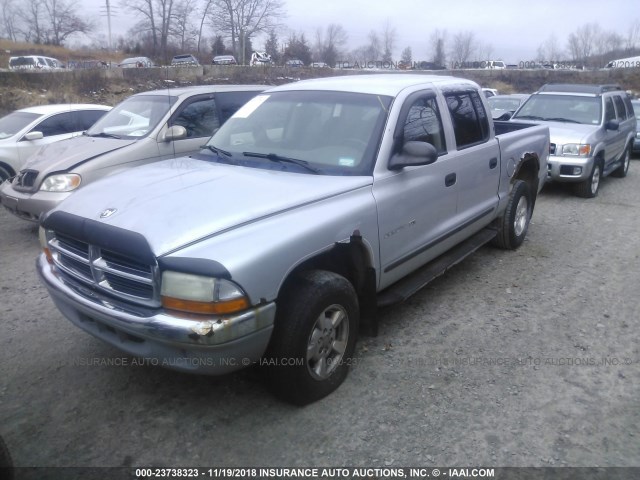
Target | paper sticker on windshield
(346,162)
(250,106)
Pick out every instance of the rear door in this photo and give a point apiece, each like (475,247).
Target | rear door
(477,156)
(614,138)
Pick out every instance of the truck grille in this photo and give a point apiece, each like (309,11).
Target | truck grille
(104,270)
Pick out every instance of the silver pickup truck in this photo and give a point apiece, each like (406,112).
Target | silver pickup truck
(315,204)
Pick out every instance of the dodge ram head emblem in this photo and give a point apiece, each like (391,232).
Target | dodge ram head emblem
(108,212)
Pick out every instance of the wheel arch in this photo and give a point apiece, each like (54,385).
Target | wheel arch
(8,168)
(528,170)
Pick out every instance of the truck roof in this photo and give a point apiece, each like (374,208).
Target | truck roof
(390,84)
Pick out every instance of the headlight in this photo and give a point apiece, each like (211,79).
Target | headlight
(576,149)
(199,294)
(62,182)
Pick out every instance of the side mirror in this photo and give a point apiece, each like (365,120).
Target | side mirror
(612,125)
(413,154)
(33,136)
(177,132)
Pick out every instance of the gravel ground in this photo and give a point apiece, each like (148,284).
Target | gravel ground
(526,358)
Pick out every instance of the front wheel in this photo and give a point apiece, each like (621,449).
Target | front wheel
(589,187)
(313,338)
(514,223)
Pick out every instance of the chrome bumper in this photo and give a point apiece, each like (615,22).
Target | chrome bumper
(29,206)
(210,345)
(556,165)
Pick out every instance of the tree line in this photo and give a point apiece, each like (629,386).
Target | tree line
(166,27)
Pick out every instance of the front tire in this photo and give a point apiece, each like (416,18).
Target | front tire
(314,337)
(589,187)
(514,223)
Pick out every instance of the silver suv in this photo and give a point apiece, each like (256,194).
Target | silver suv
(592,129)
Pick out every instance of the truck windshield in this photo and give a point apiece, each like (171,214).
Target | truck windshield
(562,108)
(133,118)
(330,133)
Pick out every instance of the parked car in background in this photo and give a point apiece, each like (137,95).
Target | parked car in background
(636,139)
(260,58)
(35,62)
(319,65)
(146,127)
(136,62)
(185,60)
(24,131)
(294,63)
(489,92)
(224,60)
(503,106)
(592,131)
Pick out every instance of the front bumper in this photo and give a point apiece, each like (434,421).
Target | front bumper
(29,205)
(560,169)
(209,345)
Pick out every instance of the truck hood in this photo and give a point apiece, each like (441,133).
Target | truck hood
(175,202)
(66,154)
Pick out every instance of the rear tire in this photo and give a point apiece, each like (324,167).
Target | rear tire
(589,187)
(314,337)
(514,223)
(622,170)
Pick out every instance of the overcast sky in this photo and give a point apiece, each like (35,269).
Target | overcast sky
(514,28)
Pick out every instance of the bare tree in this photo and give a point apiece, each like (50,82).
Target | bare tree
(438,47)
(182,28)
(632,40)
(63,20)
(329,44)
(242,19)
(144,9)
(549,50)
(462,48)
(208,4)
(373,49)
(32,22)
(9,25)
(582,42)
(388,41)
(484,51)
(406,56)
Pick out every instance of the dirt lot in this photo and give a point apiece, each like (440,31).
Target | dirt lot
(526,358)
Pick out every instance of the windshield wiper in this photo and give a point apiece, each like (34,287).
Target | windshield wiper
(274,157)
(561,119)
(216,150)
(103,135)
(529,117)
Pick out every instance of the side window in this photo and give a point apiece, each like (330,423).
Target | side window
(423,124)
(627,102)
(86,118)
(57,124)
(469,118)
(200,118)
(609,111)
(620,108)
(230,102)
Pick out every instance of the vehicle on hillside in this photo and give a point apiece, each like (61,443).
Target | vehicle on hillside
(294,63)
(630,62)
(35,62)
(503,106)
(316,203)
(25,131)
(136,62)
(260,58)
(224,60)
(144,128)
(592,129)
(185,60)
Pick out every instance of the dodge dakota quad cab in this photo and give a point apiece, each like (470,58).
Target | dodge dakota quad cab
(316,203)
(592,129)
(144,128)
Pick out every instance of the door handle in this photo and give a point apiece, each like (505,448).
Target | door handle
(450,180)
(493,163)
